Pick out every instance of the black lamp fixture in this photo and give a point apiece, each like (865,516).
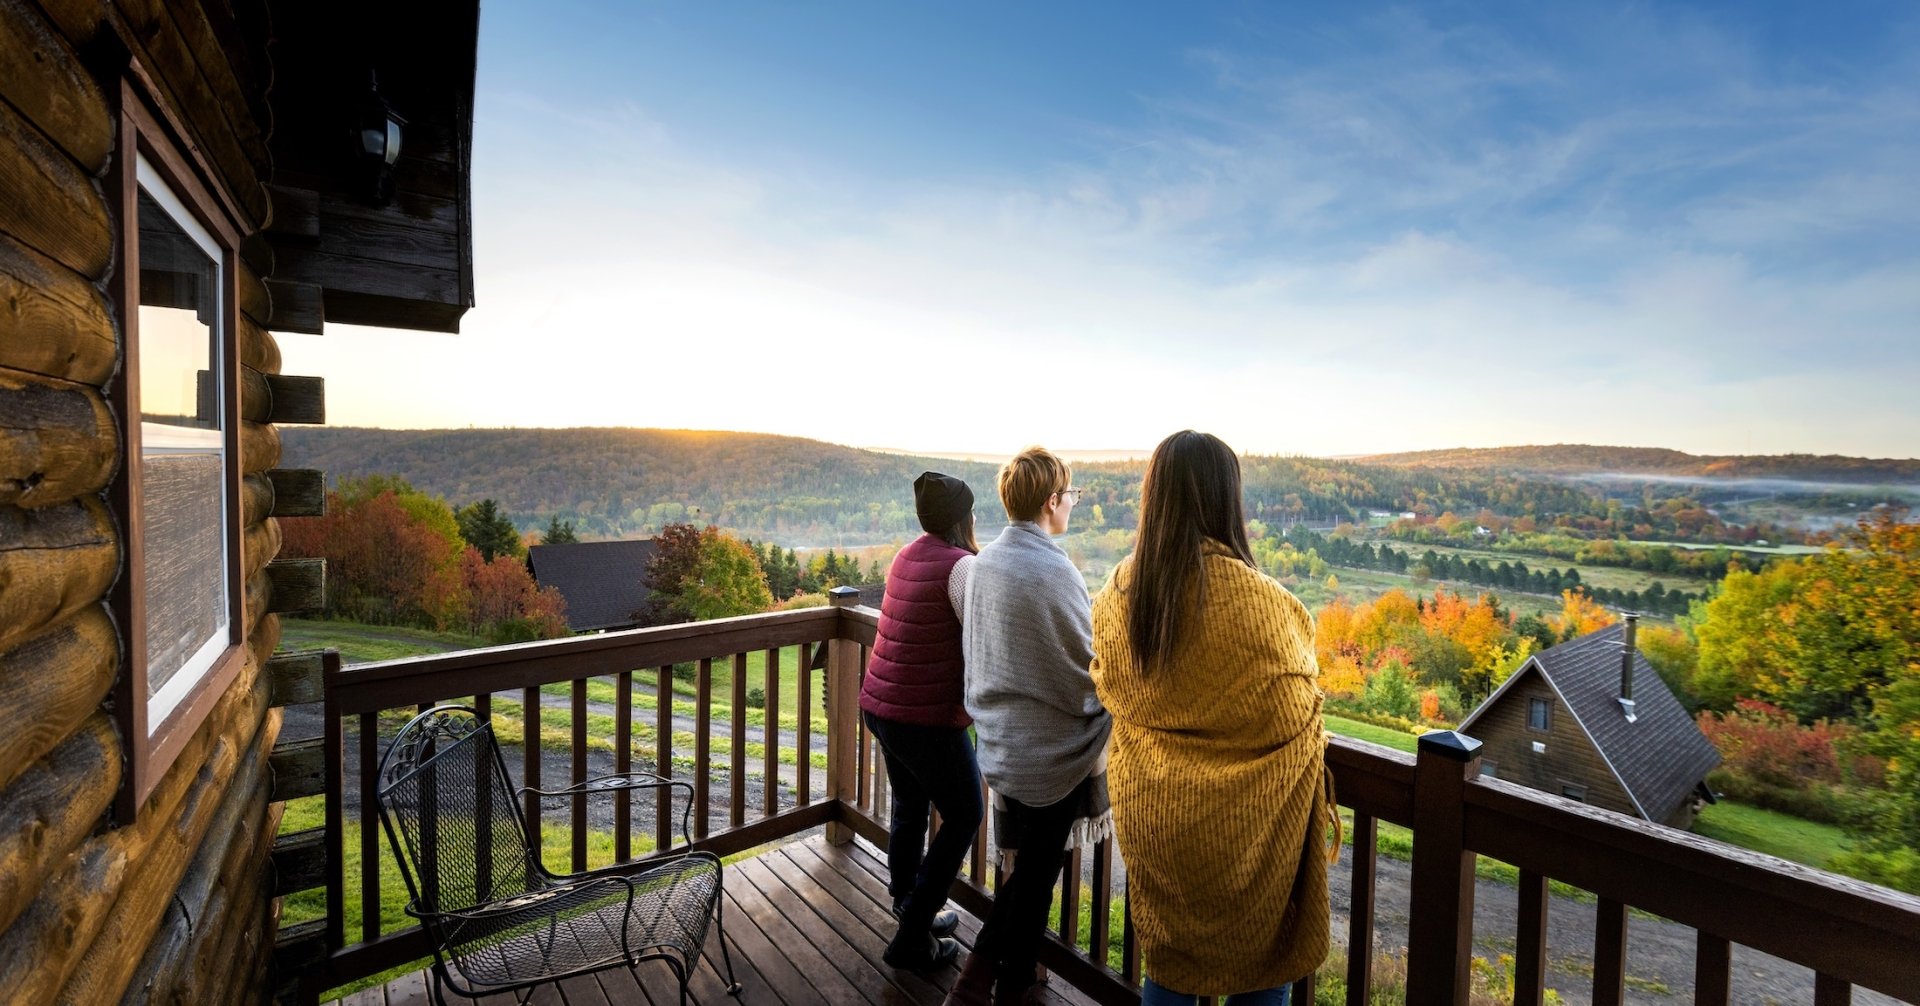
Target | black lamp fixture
(377,139)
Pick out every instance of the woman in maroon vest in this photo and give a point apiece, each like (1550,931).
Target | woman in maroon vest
(912,698)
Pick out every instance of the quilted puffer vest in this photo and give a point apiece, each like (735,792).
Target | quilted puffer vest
(915,673)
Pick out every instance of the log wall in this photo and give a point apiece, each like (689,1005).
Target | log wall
(173,905)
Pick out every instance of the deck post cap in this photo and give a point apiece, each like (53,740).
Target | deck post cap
(843,596)
(1451,744)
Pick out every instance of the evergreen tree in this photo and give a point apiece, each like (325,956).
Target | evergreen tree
(487,529)
(559,532)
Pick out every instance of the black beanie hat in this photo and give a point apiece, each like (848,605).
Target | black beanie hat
(941,501)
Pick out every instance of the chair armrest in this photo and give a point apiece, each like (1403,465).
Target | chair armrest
(546,898)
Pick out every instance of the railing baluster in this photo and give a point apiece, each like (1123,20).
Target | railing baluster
(841,689)
(880,803)
(1530,945)
(623,763)
(1099,925)
(770,790)
(530,761)
(1129,943)
(1831,991)
(737,774)
(335,741)
(978,867)
(702,740)
(663,756)
(483,768)
(862,768)
(1303,990)
(803,728)
(1366,858)
(1609,953)
(1070,899)
(369,827)
(578,822)
(1712,970)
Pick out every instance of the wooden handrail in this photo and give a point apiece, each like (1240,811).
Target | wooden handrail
(1849,932)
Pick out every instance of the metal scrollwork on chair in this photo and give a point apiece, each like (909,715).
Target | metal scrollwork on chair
(498,919)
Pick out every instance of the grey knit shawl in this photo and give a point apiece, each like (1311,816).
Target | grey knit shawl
(1028,639)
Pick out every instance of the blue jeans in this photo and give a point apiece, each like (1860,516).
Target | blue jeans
(928,767)
(1152,994)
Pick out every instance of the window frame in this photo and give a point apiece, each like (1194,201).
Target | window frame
(1579,793)
(152,747)
(1544,704)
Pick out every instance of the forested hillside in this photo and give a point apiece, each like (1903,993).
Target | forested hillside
(630,482)
(1592,459)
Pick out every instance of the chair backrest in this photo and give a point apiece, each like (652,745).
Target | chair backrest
(453,814)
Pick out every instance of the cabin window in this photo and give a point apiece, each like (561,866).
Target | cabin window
(1488,768)
(178,494)
(1573,791)
(183,458)
(1539,714)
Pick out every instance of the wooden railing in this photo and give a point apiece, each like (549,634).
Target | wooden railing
(1849,933)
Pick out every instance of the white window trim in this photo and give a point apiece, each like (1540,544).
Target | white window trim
(162,438)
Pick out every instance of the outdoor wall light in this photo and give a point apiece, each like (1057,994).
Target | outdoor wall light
(378,133)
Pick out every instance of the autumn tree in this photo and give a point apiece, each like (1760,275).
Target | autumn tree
(697,574)
(502,601)
(392,553)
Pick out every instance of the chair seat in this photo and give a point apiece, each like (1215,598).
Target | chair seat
(667,916)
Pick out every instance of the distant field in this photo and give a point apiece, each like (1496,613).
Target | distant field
(1766,549)
(1614,577)
(1366,584)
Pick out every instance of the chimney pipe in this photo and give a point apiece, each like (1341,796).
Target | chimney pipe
(1626,663)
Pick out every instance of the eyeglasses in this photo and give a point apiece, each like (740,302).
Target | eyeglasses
(1073,491)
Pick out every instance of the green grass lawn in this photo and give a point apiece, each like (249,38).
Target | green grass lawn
(1771,832)
(1395,739)
(359,643)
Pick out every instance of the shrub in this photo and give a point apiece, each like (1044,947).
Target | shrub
(1766,745)
(756,698)
(686,671)
(1390,690)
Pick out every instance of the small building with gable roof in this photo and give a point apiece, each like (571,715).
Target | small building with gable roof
(1590,720)
(604,582)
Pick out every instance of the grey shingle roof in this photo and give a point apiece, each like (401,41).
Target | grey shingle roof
(1661,755)
(604,582)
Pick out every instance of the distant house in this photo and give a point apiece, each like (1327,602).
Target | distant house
(1590,720)
(604,582)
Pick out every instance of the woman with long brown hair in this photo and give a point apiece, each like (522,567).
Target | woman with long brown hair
(1221,801)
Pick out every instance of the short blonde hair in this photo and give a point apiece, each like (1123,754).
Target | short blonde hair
(1029,479)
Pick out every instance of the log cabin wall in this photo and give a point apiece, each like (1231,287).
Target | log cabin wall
(1570,756)
(171,902)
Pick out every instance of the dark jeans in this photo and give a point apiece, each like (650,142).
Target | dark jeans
(1012,933)
(927,766)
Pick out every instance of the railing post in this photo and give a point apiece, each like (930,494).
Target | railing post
(1440,932)
(842,684)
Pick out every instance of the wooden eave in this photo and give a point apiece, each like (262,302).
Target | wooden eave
(335,256)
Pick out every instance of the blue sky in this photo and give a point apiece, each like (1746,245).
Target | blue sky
(1319,229)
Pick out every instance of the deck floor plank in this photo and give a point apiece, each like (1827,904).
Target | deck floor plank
(806,925)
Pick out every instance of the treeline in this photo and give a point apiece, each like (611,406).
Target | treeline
(1293,554)
(620,483)
(398,556)
(787,575)
(1590,459)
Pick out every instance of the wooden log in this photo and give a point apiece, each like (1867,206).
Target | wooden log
(258,545)
(58,440)
(299,861)
(298,585)
(256,253)
(77,20)
(231,145)
(52,321)
(102,976)
(47,83)
(117,875)
(299,769)
(259,596)
(298,947)
(204,901)
(60,560)
(298,492)
(263,637)
(298,306)
(295,678)
(259,350)
(256,498)
(51,808)
(259,447)
(48,203)
(280,398)
(296,212)
(50,682)
(256,303)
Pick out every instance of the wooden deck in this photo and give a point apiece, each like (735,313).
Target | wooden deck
(806,923)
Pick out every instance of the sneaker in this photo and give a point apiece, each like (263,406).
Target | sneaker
(920,953)
(944,923)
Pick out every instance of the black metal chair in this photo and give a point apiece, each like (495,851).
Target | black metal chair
(498,919)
